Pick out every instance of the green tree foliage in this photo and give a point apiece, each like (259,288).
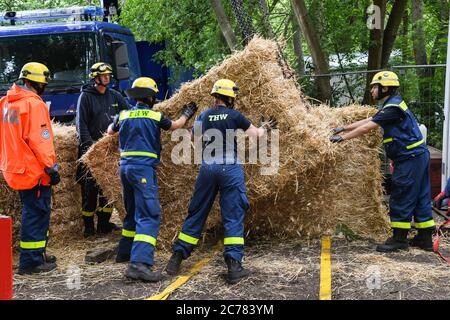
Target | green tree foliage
(193,38)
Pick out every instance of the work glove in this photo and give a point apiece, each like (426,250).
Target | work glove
(336,138)
(337,130)
(270,123)
(53,174)
(189,110)
(437,201)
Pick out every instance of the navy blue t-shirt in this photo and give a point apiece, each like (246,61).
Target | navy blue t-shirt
(389,115)
(218,126)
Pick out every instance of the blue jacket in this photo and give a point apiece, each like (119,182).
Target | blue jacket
(402,140)
(139,135)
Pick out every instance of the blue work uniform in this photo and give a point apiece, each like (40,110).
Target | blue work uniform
(406,147)
(140,147)
(220,172)
(36,209)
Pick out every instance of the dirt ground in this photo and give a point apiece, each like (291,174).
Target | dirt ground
(280,271)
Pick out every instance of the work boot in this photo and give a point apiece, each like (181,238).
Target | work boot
(103,224)
(49,258)
(45,267)
(424,239)
(398,241)
(89,228)
(122,257)
(142,271)
(174,264)
(235,271)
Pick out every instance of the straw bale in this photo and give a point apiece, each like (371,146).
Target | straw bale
(318,184)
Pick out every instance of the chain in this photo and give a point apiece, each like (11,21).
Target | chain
(287,72)
(243,19)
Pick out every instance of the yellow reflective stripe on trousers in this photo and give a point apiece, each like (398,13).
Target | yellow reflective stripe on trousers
(128,233)
(32,245)
(426,224)
(233,240)
(138,154)
(388,140)
(88,213)
(401,225)
(184,237)
(104,209)
(418,143)
(145,238)
(140,114)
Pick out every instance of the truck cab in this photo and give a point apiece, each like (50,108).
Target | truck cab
(68,49)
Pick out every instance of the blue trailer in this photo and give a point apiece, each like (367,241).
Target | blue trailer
(69,48)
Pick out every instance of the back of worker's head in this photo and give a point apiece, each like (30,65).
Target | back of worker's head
(225,90)
(387,82)
(144,90)
(35,75)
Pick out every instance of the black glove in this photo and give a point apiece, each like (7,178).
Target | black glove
(336,139)
(270,123)
(54,174)
(337,130)
(189,110)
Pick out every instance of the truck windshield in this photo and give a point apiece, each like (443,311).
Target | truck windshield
(67,55)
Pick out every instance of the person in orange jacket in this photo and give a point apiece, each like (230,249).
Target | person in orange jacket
(28,162)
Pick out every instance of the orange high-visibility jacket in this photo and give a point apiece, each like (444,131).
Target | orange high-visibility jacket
(26,139)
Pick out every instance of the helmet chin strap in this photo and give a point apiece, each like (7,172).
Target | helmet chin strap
(37,86)
(100,82)
(381,95)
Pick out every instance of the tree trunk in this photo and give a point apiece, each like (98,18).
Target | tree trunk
(439,46)
(224,23)
(390,33)
(315,49)
(420,53)
(298,49)
(404,44)
(375,49)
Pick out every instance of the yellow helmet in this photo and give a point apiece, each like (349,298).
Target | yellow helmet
(386,79)
(225,87)
(143,87)
(35,71)
(100,68)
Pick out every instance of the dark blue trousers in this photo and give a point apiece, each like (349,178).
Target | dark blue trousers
(142,221)
(229,181)
(411,193)
(36,208)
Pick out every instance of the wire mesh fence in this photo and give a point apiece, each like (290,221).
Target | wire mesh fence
(422,88)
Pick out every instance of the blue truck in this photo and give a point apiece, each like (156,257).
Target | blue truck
(69,48)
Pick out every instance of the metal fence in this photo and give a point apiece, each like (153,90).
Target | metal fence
(422,88)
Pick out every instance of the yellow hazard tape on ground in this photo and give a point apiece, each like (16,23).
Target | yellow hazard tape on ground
(325,269)
(183,279)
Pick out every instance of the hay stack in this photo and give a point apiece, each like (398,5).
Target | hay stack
(318,185)
(66,200)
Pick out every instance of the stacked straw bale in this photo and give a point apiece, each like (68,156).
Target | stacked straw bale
(66,200)
(318,184)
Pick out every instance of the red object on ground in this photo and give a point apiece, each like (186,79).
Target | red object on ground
(6,275)
(435,171)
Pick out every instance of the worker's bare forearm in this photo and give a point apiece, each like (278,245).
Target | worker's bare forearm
(357,124)
(360,130)
(177,124)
